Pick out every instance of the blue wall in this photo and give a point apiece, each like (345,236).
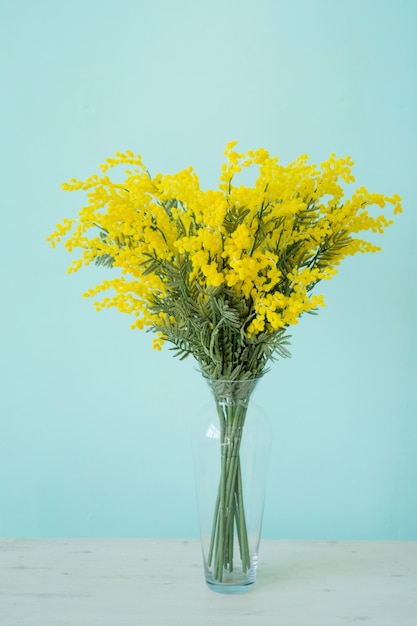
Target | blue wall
(94,424)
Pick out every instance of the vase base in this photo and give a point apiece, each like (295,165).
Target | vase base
(229,589)
(232,582)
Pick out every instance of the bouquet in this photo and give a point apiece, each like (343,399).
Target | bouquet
(221,274)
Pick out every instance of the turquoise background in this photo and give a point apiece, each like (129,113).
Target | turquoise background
(94,424)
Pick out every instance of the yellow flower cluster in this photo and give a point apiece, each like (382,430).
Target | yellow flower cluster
(268,244)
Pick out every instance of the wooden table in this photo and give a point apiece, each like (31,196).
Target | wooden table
(141,582)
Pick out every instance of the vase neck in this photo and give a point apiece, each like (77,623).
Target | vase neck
(232,391)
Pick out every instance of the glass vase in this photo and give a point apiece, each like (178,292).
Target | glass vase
(231,452)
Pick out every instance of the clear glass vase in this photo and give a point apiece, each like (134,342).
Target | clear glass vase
(231,452)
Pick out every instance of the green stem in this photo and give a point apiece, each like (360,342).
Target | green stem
(244,543)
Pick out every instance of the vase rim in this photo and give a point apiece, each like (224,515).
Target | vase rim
(233,380)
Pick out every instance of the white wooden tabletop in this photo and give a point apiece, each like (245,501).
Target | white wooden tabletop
(126,582)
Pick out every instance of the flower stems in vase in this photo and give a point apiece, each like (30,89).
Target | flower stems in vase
(229,509)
